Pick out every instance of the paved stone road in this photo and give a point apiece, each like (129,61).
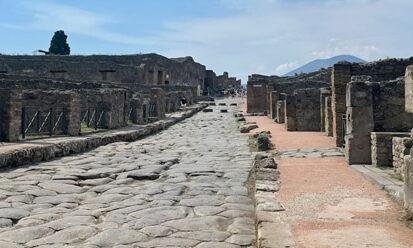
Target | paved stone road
(185,187)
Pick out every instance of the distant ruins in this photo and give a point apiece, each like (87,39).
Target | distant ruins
(367,108)
(53,95)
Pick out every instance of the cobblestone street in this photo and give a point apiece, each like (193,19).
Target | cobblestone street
(184,187)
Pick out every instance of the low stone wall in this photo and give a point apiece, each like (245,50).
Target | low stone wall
(48,150)
(400,148)
(382,147)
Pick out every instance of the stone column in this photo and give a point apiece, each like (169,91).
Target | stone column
(324,93)
(328,117)
(290,111)
(73,115)
(340,76)
(360,122)
(281,111)
(10,114)
(158,96)
(273,104)
(408,169)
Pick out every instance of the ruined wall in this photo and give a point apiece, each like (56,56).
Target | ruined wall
(10,114)
(149,69)
(389,107)
(382,70)
(382,147)
(113,102)
(290,113)
(307,109)
(400,148)
(257,97)
(280,118)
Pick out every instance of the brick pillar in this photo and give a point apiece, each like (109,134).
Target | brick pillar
(73,115)
(10,114)
(409,89)
(280,112)
(328,117)
(290,113)
(136,110)
(273,104)
(360,123)
(340,76)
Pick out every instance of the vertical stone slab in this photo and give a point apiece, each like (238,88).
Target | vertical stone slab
(409,89)
(158,95)
(360,123)
(10,114)
(281,112)
(408,160)
(290,113)
(274,96)
(73,115)
(324,93)
(328,117)
(340,76)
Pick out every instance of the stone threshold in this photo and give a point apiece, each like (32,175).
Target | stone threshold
(27,152)
(383,180)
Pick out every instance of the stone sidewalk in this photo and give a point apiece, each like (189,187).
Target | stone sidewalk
(187,186)
(25,152)
(328,203)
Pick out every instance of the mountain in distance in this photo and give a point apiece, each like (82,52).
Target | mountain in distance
(324,63)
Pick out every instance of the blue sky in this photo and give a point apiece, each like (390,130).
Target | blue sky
(239,36)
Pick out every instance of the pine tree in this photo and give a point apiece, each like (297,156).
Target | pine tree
(58,44)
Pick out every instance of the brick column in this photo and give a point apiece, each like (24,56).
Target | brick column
(340,76)
(360,123)
(73,115)
(10,114)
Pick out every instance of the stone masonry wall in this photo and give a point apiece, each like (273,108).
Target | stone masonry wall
(382,147)
(307,113)
(400,148)
(389,107)
(257,97)
(10,114)
(324,93)
(409,89)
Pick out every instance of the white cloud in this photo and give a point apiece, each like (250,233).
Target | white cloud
(50,16)
(285,68)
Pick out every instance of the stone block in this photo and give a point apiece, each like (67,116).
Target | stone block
(358,149)
(359,94)
(360,120)
(400,148)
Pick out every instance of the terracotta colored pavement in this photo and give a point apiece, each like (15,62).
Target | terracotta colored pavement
(328,204)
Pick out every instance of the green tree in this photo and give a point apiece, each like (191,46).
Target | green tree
(58,44)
